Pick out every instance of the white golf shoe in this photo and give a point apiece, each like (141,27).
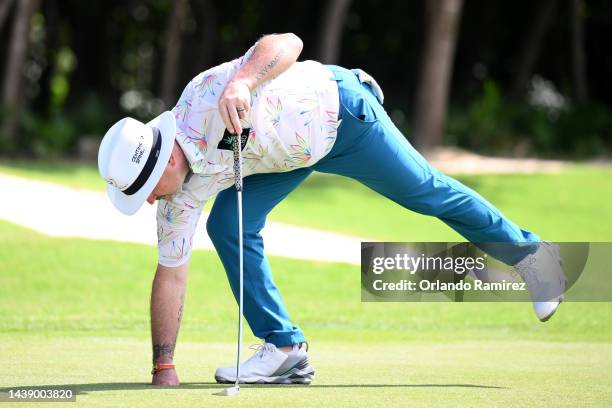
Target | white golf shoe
(270,365)
(544,276)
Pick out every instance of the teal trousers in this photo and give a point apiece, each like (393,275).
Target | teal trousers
(370,149)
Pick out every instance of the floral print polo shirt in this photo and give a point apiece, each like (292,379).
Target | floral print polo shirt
(293,123)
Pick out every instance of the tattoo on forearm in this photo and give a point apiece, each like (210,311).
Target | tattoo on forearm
(264,71)
(163,349)
(255,47)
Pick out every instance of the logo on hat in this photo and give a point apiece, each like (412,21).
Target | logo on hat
(139,152)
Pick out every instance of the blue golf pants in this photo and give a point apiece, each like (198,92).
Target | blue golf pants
(370,149)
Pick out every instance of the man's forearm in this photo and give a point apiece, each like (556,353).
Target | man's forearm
(167,298)
(272,56)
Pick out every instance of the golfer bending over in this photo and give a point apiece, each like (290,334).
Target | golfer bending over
(300,117)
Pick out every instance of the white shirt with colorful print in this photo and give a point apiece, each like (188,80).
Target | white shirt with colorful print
(293,123)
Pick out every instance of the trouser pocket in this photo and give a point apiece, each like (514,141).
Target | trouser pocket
(366,78)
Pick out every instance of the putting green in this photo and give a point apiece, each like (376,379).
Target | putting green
(114,372)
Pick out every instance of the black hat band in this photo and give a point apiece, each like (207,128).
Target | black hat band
(146,171)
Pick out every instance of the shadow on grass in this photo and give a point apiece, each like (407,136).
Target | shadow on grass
(84,389)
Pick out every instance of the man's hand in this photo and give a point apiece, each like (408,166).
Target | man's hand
(166,378)
(273,55)
(234,104)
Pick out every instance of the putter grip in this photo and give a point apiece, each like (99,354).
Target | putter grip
(236,147)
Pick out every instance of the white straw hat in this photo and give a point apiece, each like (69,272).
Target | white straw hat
(133,157)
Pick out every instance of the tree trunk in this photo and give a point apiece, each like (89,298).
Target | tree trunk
(174,43)
(5,7)
(42,102)
(330,36)
(207,38)
(578,53)
(13,78)
(533,44)
(443,18)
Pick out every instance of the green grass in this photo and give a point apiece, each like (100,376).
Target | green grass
(96,286)
(553,205)
(82,175)
(111,372)
(75,313)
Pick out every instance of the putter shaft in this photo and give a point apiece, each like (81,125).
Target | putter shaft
(238,184)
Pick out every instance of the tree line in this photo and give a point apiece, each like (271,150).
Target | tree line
(511,77)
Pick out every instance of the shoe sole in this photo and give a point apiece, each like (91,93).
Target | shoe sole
(555,252)
(546,318)
(293,376)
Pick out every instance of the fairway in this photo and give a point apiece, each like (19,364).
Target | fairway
(76,315)
(559,206)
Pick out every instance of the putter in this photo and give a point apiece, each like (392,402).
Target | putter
(237,147)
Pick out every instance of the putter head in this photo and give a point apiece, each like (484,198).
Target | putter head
(229,392)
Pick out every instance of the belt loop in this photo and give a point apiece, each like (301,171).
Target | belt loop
(335,72)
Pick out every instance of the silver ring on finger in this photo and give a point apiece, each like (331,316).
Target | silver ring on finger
(239,109)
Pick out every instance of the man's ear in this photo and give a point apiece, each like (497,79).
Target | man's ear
(172,159)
